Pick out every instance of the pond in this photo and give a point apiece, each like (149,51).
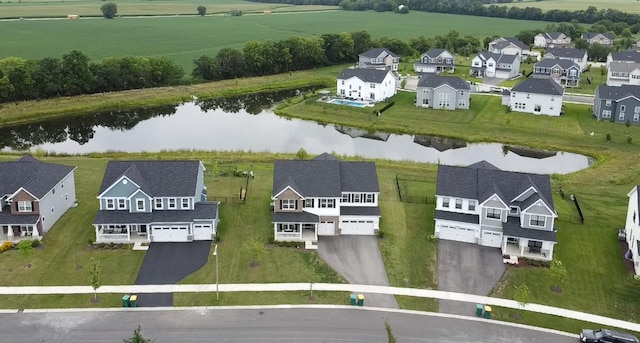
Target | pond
(246,123)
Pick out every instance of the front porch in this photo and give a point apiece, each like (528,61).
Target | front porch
(17,233)
(524,248)
(295,232)
(122,233)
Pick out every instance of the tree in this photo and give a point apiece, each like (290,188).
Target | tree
(205,68)
(302,154)
(94,277)
(137,337)
(522,294)
(557,273)
(109,10)
(25,248)
(202,10)
(256,251)
(387,326)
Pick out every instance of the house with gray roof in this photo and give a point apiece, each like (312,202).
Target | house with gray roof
(436,61)
(627,56)
(632,228)
(378,58)
(509,46)
(366,84)
(481,204)
(575,55)
(155,201)
(443,92)
(324,196)
(535,95)
(564,72)
(551,40)
(500,66)
(619,104)
(33,196)
(605,39)
(623,73)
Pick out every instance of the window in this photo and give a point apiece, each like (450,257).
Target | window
(461,92)
(445,202)
(472,205)
(370,198)
(459,204)
(122,203)
(607,103)
(443,96)
(461,103)
(327,203)
(537,220)
(66,196)
(157,203)
(342,82)
(110,203)
(357,198)
(373,85)
(25,206)
(172,203)
(621,116)
(606,114)
(494,213)
(536,108)
(309,202)
(140,204)
(636,109)
(53,191)
(289,228)
(514,210)
(528,96)
(288,204)
(52,210)
(636,116)
(623,108)
(185,203)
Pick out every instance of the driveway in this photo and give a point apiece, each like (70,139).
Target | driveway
(467,268)
(167,264)
(358,260)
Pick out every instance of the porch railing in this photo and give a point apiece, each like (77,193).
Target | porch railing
(112,237)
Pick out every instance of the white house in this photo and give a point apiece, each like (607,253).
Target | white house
(627,56)
(509,46)
(501,66)
(551,40)
(436,61)
(366,84)
(577,56)
(632,229)
(605,39)
(623,73)
(535,95)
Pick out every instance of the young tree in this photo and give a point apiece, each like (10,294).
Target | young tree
(256,251)
(202,10)
(94,277)
(25,248)
(522,294)
(137,337)
(557,273)
(109,10)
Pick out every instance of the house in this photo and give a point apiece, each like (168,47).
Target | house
(481,204)
(447,92)
(366,84)
(564,72)
(324,197)
(379,58)
(632,229)
(605,39)
(436,61)
(623,73)
(33,196)
(155,201)
(501,66)
(535,95)
(509,46)
(551,40)
(617,103)
(627,56)
(577,56)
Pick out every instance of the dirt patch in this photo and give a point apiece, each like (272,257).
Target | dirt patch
(254,264)
(556,289)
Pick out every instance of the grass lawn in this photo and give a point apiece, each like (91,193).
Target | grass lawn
(573,5)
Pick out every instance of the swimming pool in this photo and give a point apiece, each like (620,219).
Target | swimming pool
(347,102)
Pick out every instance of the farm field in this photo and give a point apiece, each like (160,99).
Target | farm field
(184,39)
(631,6)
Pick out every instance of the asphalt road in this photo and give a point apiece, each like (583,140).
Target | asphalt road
(261,325)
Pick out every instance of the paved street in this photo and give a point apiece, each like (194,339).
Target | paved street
(262,325)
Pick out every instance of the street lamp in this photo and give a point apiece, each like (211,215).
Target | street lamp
(215,253)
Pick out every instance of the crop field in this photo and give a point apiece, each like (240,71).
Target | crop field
(184,39)
(632,6)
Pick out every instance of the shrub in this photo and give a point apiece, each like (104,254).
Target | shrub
(5,246)
(608,137)
(201,10)
(380,233)
(109,10)
(35,242)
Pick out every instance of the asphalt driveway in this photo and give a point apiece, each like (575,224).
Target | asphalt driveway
(358,260)
(467,268)
(167,264)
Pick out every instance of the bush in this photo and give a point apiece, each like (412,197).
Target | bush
(202,10)
(5,246)
(380,233)
(35,242)
(109,10)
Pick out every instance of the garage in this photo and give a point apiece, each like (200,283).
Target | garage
(326,229)
(491,239)
(170,233)
(357,227)
(456,233)
(202,232)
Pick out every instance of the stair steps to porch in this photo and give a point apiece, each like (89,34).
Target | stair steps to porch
(513,260)
(310,245)
(138,246)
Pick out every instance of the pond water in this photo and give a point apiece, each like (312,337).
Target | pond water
(246,123)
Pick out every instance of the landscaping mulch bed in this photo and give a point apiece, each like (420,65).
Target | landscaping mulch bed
(624,247)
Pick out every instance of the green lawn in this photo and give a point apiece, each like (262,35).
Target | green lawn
(573,5)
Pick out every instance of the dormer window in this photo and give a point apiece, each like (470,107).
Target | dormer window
(288,204)
(537,220)
(185,203)
(514,210)
(459,204)
(140,204)
(494,213)
(111,204)
(172,203)
(445,202)
(122,203)
(25,206)
(157,203)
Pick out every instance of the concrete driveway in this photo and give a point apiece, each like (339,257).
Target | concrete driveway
(167,264)
(467,268)
(358,260)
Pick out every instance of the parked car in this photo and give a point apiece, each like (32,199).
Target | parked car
(607,336)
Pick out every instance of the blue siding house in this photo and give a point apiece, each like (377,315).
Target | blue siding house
(617,103)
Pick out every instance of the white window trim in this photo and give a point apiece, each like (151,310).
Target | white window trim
(287,204)
(110,203)
(23,208)
(138,202)
(543,218)
(157,204)
(175,203)
(184,203)
(494,209)
(123,203)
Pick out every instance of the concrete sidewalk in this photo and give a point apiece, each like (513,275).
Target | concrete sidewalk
(278,287)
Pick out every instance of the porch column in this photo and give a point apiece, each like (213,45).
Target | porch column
(299,231)
(149,233)
(504,246)
(128,232)
(34,231)
(315,233)
(9,232)
(97,231)
(521,247)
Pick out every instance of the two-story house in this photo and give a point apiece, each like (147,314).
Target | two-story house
(575,55)
(436,61)
(565,72)
(627,56)
(324,197)
(366,84)
(379,58)
(619,104)
(632,228)
(155,201)
(446,92)
(551,40)
(623,73)
(501,66)
(481,204)
(536,96)
(605,39)
(33,196)
(509,46)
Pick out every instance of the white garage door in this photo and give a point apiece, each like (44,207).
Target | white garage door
(170,234)
(326,229)
(356,227)
(455,233)
(202,232)
(492,239)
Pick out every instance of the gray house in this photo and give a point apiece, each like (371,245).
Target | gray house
(617,103)
(447,92)
(508,46)
(578,56)
(379,58)
(33,196)
(436,61)
(564,72)
(155,201)
(605,39)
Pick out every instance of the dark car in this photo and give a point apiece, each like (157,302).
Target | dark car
(607,336)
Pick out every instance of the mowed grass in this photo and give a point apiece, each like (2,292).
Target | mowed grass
(631,6)
(184,39)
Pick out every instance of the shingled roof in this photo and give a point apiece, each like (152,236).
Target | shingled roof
(36,177)
(364,74)
(628,55)
(375,52)
(436,80)
(499,58)
(617,92)
(566,52)
(539,86)
(591,35)
(552,62)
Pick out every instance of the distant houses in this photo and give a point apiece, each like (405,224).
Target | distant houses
(378,58)
(508,46)
(551,40)
(605,39)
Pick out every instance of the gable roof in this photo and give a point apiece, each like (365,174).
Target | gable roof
(592,35)
(436,80)
(551,62)
(617,92)
(539,86)
(505,41)
(155,178)
(35,176)
(324,176)
(375,52)
(435,52)
(499,58)
(628,55)
(481,183)
(623,67)
(553,35)
(366,75)
(566,52)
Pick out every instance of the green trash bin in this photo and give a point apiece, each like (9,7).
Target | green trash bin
(479,309)
(354,299)
(125,300)
(360,299)
(487,312)
(133,300)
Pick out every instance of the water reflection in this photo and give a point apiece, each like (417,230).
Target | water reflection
(439,143)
